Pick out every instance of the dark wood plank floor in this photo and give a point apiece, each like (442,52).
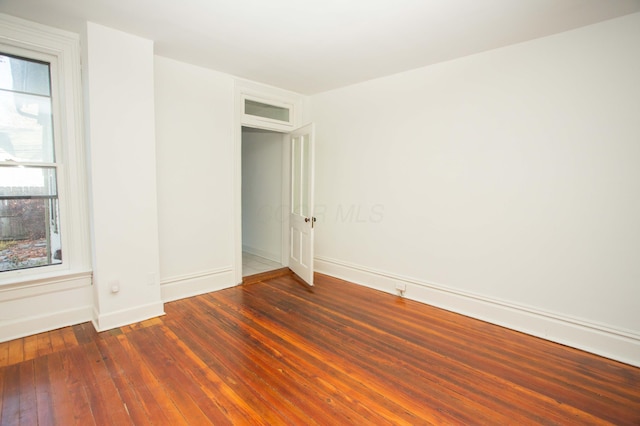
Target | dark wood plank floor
(276,352)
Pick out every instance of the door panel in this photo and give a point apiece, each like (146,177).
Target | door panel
(301,220)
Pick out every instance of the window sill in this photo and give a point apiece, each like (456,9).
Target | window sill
(33,281)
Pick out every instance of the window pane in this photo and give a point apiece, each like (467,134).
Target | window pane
(29,234)
(265,110)
(26,130)
(23,75)
(28,181)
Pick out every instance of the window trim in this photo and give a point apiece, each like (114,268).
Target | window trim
(62,50)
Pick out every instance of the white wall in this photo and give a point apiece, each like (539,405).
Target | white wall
(504,185)
(121,141)
(262,193)
(194,136)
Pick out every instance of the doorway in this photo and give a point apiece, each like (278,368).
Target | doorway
(264,193)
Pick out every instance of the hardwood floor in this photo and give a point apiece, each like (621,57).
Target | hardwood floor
(277,352)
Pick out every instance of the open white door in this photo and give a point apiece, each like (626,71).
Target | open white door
(301,220)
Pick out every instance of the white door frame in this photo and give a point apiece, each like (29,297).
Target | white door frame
(280,97)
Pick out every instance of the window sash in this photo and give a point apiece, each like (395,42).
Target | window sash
(36,175)
(25,182)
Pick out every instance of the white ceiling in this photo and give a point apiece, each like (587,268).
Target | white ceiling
(310,46)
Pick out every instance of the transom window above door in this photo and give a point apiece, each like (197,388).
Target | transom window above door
(267,113)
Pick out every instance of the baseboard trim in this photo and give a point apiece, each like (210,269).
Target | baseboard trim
(599,339)
(184,286)
(104,322)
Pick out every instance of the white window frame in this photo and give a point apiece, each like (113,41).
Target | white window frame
(62,50)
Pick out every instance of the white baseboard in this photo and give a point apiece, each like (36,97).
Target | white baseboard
(609,342)
(180,287)
(262,253)
(103,322)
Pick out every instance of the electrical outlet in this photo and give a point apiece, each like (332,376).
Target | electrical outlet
(114,286)
(401,288)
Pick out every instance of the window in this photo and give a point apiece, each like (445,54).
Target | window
(29,225)
(44,231)
(260,109)
(268,114)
